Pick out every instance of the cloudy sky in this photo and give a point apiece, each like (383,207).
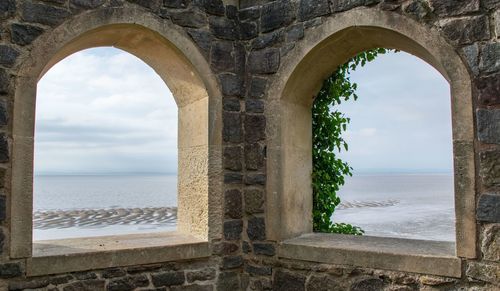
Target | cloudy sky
(105,111)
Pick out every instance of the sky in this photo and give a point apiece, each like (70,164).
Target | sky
(104,111)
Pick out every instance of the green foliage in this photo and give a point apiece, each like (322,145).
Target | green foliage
(328,125)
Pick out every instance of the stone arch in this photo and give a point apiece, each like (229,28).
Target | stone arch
(299,79)
(172,54)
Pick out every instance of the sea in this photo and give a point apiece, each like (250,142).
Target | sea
(418,206)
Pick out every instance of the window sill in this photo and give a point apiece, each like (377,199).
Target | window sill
(80,254)
(417,256)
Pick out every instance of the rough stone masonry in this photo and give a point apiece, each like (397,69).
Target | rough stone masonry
(245,42)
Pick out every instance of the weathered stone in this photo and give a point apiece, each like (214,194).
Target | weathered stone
(255,179)
(240,57)
(489,90)
(266,249)
(4,148)
(254,270)
(4,118)
(228,281)
(267,40)
(28,284)
(190,18)
(215,7)
(7,8)
(222,56)
(225,248)
(488,208)
(201,275)
(194,287)
(390,4)
(483,272)
(254,106)
(245,247)
(203,39)
(223,28)
(231,104)
(232,85)
(285,281)
(489,61)
(86,285)
(255,127)
(256,229)
(368,284)
(488,125)
(254,201)
(233,157)
(85,275)
(257,87)
(489,168)
(496,22)
(254,156)
(4,82)
(251,13)
(232,131)
(167,278)
(295,32)
(435,281)
(233,203)
(309,9)
(86,3)
(471,53)
(232,262)
(120,284)
(58,280)
(233,229)
(490,4)
(139,280)
(322,283)
(8,55)
(455,7)
(276,14)
(343,5)
(466,30)
(264,61)
(150,4)
(176,3)
(490,244)
(248,30)
(233,178)
(44,14)
(23,34)
(113,273)
(418,8)
(232,12)
(143,268)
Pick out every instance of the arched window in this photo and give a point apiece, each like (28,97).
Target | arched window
(105,148)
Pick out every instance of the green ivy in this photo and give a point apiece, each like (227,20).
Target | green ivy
(328,124)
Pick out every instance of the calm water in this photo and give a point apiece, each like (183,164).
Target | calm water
(402,205)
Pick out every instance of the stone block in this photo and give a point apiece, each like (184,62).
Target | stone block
(295,32)
(488,90)
(150,4)
(233,204)
(222,56)
(233,178)
(10,270)
(268,40)
(86,285)
(255,127)
(455,7)
(488,208)
(228,281)
(489,60)
(488,125)
(29,284)
(257,87)
(255,179)
(232,262)
(309,9)
(233,229)
(225,248)
(113,273)
(266,249)
(248,30)
(8,55)
(466,30)
(368,284)
(231,104)
(471,54)
(490,244)
(254,201)
(191,18)
(168,278)
(323,283)
(215,7)
(276,14)
(86,3)
(254,156)
(343,5)
(4,148)
(286,281)
(232,85)
(264,61)
(418,9)
(4,82)
(179,4)
(120,284)
(202,38)
(223,28)
(483,272)
(201,275)
(233,157)
(7,8)
(43,14)
(245,247)
(23,34)
(490,4)
(232,131)
(256,270)
(194,287)
(251,13)
(256,229)
(489,168)
(254,106)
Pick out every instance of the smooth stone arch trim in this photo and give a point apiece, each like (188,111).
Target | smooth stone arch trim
(299,79)
(174,56)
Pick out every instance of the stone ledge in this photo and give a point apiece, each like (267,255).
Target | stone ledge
(80,254)
(408,255)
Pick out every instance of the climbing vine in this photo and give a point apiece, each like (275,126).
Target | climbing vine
(328,124)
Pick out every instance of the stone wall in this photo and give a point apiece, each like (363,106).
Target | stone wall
(245,48)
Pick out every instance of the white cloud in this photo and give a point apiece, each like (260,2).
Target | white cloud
(104,110)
